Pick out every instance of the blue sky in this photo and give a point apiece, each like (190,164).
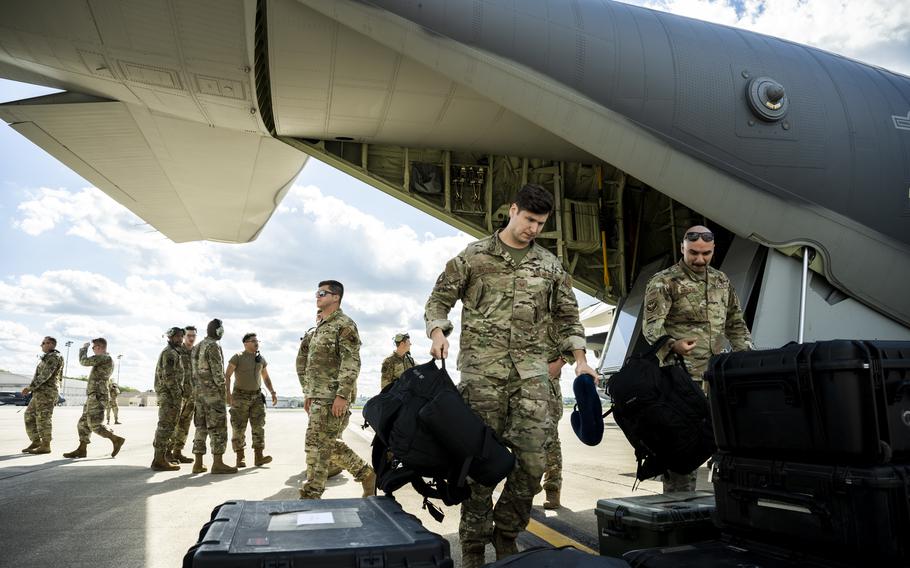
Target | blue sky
(76,265)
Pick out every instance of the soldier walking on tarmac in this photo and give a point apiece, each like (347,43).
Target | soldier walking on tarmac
(331,370)
(512,289)
(247,401)
(45,387)
(210,415)
(188,402)
(169,375)
(96,399)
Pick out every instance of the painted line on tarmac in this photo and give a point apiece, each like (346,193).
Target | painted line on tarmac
(554,537)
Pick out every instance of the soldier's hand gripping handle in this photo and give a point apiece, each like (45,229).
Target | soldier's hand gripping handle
(440,347)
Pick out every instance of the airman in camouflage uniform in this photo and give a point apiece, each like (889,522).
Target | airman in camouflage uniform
(169,378)
(113,406)
(398,362)
(512,289)
(697,307)
(246,401)
(96,399)
(188,402)
(335,465)
(210,416)
(331,370)
(45,387)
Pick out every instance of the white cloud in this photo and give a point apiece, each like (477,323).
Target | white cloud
(867,31)
(265,286)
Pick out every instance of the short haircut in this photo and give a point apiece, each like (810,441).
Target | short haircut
(100,341)
(335,287)
(52,340)
(190,328)
(248,336)
(535,199)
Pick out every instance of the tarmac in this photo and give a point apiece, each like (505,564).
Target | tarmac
(113,512)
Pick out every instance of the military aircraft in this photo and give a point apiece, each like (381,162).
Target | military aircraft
(197,116)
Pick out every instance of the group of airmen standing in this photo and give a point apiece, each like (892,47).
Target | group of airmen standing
(519,327)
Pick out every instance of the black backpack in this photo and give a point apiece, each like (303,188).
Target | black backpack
(424,429)
(663,413)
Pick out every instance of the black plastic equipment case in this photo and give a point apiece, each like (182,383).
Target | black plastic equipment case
(861,513)
(647,521)
(372,532)
(833,402)
(726,554)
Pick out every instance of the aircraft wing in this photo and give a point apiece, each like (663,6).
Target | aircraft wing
(188,180)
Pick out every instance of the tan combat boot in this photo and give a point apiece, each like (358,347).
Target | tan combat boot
(78,452)
(117,441)
(198,466)
(241,459)
(260,459)
(169,458)
(178,455)
(369,482)
(218,465)
(159,463)
(552,501)
(472,556)
(31,447)
(43,448)
(505,545)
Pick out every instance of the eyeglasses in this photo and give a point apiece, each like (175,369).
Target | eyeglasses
(324,293)
(251,341)
(707,236)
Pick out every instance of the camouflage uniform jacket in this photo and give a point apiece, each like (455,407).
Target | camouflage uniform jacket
(49,372)
(301,357)
(114,389)
(169,373)
(186,359)
(682,304)
(393,366)
(102,369)
(208,362)
(333,358)
(507,309)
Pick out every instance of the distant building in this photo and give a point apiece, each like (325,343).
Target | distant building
(135,398)
(73,390)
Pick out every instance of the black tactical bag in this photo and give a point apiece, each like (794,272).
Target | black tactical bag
(663,413)
(424,430)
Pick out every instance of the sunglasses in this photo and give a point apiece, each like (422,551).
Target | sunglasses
(324,293)
(707,236)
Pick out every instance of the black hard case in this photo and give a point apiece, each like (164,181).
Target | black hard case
(833,511)
(371,532)
(837,401)
(726,553)
(648,521)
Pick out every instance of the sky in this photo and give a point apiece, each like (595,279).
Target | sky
(74,264)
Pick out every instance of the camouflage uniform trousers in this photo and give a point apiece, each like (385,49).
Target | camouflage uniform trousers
(322,439)
(248,407)
(92,419)
(518,411)
(552,476)
(188,405)
(115,408)
(210,417)
(38,423)
(346,460)
(168,412)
